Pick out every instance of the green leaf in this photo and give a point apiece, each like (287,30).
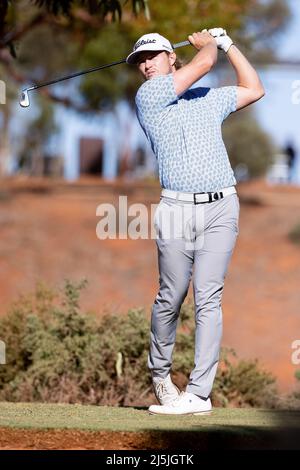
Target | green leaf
(12,50)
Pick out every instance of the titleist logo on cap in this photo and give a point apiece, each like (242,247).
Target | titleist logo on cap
(142,42)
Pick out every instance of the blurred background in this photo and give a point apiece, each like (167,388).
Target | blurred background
(79,144)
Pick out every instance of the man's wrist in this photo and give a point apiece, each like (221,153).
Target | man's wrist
(225,43)
(213,51)
(232,44)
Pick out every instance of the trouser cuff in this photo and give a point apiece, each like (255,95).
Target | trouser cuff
(200,392)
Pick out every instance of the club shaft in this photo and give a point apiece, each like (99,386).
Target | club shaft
(76,74)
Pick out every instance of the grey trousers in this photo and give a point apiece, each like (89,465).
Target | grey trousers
(200,237)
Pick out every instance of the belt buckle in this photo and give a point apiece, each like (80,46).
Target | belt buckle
(218,195)
(204,202)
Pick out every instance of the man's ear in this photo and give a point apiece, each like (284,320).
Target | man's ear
(172,58)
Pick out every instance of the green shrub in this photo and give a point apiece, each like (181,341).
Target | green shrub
(55,353)
(292,400)
(296,393)
(294,234)
(246,142)
(237,382)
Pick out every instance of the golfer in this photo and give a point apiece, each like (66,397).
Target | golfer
(197,218)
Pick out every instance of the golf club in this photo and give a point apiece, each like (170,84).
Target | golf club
(25,102)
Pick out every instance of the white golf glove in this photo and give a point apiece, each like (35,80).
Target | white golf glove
(223,41)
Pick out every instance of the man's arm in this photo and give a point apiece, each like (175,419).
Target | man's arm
(249,86)
(200,65)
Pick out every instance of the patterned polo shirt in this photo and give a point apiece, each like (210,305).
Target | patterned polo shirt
(185,133)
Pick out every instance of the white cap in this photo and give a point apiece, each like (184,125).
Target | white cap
(149,42)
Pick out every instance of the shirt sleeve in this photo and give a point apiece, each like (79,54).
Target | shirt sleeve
(154,96)
(225,100)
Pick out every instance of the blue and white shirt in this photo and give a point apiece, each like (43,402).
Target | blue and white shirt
(185,133)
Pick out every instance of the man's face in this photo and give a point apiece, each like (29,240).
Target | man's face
(154,63)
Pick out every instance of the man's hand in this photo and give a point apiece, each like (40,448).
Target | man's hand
(198,40)
(222,39)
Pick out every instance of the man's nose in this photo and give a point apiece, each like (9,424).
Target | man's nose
(148,62)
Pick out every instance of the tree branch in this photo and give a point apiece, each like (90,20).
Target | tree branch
(17,33)
(87,18)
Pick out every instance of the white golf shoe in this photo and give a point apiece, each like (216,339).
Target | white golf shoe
(185,404)
(164,390)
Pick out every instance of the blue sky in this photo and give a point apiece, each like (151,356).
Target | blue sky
(276,111)
(289,43)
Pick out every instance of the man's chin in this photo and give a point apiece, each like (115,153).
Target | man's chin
(152,75)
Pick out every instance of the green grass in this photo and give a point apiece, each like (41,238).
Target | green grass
(99,418)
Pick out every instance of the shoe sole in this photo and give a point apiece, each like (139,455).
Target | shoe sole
(198,413)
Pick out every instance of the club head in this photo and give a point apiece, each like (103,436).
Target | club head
(24,101)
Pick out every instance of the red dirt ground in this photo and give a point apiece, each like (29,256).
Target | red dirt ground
(30,439)
(48,232)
